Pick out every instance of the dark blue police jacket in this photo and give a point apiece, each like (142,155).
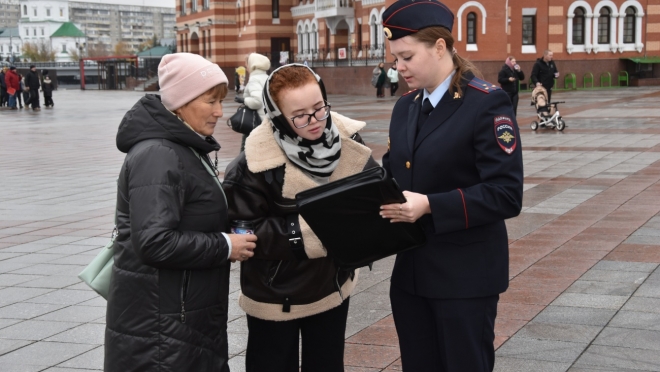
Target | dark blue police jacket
(467,159)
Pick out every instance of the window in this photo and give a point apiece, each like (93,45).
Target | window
(206,4)
(604,26)
(629,26)
(27,32)
(578,26)
(529,30)
(61,12)
(25,10)
(193,6)
(471,28)
(276,9)
(34,32)
(34,10)
(42,31)
(63,48)
(48,12)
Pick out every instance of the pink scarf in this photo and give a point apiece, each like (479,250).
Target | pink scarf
(508,63)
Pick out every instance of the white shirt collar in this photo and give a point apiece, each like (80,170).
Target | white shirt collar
(440,91)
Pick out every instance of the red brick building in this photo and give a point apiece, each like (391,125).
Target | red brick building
(343,39)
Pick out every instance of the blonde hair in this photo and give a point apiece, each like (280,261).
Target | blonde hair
(430,36)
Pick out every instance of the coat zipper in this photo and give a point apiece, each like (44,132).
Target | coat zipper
(184,294)
(270,281)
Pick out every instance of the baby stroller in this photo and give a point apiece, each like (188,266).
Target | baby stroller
(547,112)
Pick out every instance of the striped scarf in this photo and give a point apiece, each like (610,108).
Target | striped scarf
(319,157)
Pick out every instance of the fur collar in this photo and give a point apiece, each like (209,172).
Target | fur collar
(263,153)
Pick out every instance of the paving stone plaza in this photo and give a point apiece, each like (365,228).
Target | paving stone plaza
(584,293)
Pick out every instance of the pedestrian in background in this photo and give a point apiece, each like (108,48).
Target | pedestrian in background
(258,66)
(47,88)
(33,86)
(292,293)
(393,76)
(4,97)
(454,148)
(509,77)
(168,298)
(24,95)
(545,72)
(378,79)
(13,87)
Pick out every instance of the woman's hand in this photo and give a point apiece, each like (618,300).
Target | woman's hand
(512,79)
(242,246)
(416,206)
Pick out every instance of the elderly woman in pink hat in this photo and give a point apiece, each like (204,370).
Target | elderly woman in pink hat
(167,305)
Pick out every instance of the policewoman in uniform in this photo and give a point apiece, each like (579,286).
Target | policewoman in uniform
(455,149)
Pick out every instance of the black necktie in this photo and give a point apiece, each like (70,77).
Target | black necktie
(427,107)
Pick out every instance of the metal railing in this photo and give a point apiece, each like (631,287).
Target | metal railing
(365,55)
(40,65)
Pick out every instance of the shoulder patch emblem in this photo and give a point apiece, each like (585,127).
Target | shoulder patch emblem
(482,85)
(505,134)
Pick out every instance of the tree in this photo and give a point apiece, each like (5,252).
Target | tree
(38,52)
(122,49)
(97,50)
(74,55)
(155,41)
(148,44)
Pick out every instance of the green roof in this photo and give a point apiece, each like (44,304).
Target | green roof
(6,32)
(68,29)
(644,59)
(155,52)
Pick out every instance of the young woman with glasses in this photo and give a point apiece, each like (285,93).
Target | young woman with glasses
(290,289)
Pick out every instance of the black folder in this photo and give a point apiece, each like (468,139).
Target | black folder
(344,214)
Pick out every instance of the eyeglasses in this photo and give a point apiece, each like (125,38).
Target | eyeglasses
(319,114)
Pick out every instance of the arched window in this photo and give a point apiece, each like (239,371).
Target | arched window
(604,26)
(629,25)
(300,39)
(25,10)
(313,46)
(578,26)
(472,28)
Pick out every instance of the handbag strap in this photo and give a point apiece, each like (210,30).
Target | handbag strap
(211,172)
(115,230)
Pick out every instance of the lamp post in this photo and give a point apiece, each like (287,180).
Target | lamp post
(11,49)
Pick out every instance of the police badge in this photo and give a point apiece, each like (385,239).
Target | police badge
(505,134)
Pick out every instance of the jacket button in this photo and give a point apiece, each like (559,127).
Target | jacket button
(408,164)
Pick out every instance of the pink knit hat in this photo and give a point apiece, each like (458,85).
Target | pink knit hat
(186,76)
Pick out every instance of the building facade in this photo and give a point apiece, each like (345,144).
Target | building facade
(45,25)
(337,36)
(9,13)
(108,24)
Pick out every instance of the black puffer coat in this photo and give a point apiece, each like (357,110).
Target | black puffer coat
(511,87)
(167,306)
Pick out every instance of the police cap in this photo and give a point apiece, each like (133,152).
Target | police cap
(406,17)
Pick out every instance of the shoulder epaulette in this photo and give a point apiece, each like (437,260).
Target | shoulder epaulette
(483,85)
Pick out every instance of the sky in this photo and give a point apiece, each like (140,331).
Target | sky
(161,3)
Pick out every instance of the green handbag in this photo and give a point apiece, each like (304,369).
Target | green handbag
(97,274)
